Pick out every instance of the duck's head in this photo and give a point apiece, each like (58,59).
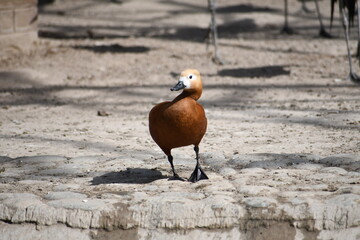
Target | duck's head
(190,81)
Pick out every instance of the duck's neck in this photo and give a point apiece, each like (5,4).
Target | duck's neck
(194,94)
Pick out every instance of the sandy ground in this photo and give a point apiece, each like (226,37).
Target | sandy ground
(275,94)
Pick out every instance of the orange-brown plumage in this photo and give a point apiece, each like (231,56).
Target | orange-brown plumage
(181,122)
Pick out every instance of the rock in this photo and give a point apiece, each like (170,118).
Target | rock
(31,231)
(342,211)
(87,160)
(309,166)
(67,170)
(266,192)
(34,182)
(76,203)
(227,172)
(271,161)
(251,171)
(259,202)
(350,233)
(214,160)
(17,196)
(63,187)
(349,189)
(4,159)
(347,161)
(102,113)
(64,195)
(37,160)
(257,190)
(336,170)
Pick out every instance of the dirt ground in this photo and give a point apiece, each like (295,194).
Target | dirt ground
(275,94)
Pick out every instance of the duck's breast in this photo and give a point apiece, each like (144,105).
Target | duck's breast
(177,124)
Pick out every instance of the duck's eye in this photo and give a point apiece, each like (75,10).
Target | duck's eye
(190,76)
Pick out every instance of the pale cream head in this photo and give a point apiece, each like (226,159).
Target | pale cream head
(190,77)
(190,81)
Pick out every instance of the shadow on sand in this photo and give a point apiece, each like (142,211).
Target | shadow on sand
(266,71)
(114,48)
(129,176)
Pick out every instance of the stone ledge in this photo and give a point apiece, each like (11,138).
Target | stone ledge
(339,212)
(267,194)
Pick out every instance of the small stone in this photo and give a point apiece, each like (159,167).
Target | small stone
(215,160)
(227,172)
(102,113)
(257,190)
(35,182)
(335,170)
(63,187)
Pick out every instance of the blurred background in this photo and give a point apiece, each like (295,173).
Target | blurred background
(79,77)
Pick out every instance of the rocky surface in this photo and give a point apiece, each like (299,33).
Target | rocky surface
(247,196)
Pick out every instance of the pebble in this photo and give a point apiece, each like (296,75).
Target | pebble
(227,172)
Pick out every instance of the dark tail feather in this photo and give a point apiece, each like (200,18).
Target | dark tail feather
(350,5)
(332,12)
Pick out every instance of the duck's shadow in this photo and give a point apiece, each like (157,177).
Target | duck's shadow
(129,176)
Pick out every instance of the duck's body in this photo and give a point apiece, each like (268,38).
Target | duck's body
(181,122)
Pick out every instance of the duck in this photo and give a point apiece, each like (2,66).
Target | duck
(181,122)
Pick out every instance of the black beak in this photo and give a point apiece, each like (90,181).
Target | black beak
(180,85)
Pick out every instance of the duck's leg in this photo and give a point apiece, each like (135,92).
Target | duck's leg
(198,173)
(175,176)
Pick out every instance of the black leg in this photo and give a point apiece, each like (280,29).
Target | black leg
(352,75)
(213,31)
(286,29)
(358,45)
(196,149)
(322,32)
(198,173)
(305,8)
(175,176)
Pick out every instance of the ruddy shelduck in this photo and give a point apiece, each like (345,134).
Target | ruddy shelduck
(181,122)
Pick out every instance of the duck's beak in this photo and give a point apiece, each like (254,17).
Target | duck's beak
(180,85)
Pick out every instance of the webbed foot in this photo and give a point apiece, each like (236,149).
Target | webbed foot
(198,174)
